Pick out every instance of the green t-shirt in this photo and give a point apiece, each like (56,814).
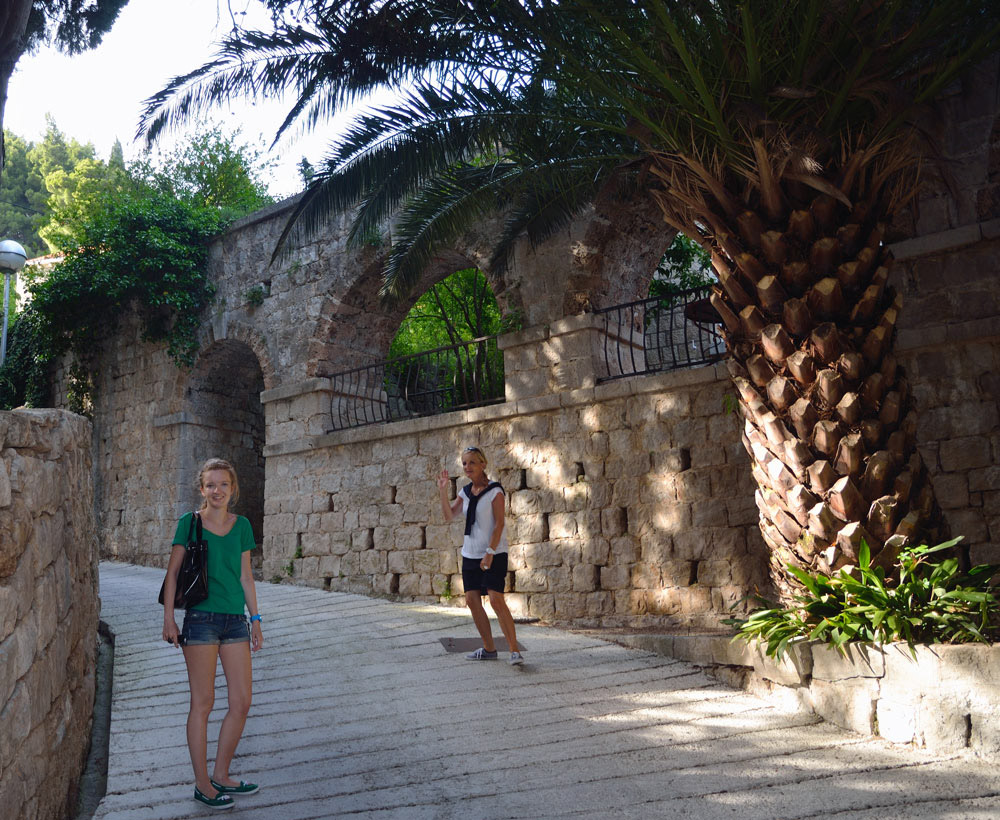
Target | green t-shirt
(225,564)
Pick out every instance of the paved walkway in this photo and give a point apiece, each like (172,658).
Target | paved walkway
(359,712)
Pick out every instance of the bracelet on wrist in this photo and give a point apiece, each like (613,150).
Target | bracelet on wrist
(256,617)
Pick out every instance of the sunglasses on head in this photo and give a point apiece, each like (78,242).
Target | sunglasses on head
(471,450)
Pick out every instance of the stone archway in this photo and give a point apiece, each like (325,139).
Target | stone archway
(356,326)
(224,418)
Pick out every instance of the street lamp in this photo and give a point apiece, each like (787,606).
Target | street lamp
(12,259)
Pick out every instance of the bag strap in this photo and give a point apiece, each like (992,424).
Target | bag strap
(194,528)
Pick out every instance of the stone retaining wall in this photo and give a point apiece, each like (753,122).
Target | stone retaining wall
(942,697)
(625,500)
(48,610)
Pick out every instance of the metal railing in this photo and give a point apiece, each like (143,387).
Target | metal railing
(660,333)
(456,377)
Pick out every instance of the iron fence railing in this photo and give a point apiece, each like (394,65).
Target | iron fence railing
(455,377)
(660,333)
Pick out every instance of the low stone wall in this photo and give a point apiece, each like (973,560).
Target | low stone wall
(944,697)
(626,500)
(48,610)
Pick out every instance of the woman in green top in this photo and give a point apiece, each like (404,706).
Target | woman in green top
(217,628)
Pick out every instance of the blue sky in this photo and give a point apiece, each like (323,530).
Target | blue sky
(96,96)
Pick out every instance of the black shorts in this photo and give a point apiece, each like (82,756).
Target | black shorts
(494,578)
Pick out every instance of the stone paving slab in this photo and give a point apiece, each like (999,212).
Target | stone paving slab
(359,712)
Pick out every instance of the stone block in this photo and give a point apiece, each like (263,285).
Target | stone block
(858,662)
(656,547)
(315,543)
(362,540)
(449,561)
(585,577)
(329,566)
(615,577)
(410,584)
(426,562)
(569,606)
(624,550)
(848,703)
(595,551)
(695,600)
(645,576)
(951,490)
(898,720)
(965,453)
(709,514)
(532,529)
(793,668)
(970,523)
(715,573)
(531,580)
(443,536)
(599,603)
(562,525)
(545,554)
(614,521)
(410,538)
(524,502)
(541,605)
(692,545)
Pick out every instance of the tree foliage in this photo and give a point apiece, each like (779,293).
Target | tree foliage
(457,309)
(72,26)
(136,239)
(45,183)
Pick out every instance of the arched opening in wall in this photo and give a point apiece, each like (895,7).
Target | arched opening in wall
(444,355)
(223,401)
(679,323)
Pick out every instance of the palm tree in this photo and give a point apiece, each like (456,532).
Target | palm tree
(784,137)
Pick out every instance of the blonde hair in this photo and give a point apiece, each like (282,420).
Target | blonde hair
(478,452)
(219,464)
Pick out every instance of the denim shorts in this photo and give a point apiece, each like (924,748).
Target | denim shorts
(213,628)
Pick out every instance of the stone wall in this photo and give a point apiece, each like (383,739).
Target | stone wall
(48,610)
(626,500)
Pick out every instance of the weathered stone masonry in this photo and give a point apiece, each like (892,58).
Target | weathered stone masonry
(625,499)
(48,611)
(628,499)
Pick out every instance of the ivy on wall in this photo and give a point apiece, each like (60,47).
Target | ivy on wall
(143,251)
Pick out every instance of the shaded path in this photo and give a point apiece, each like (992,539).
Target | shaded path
(359,712)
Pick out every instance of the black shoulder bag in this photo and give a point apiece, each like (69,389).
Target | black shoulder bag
(192,577)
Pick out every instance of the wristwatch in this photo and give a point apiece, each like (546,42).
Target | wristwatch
(256,617)
(490,551)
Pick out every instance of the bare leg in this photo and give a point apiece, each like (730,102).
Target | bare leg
(239,684)
(506,620)
(201,662)
(474,599)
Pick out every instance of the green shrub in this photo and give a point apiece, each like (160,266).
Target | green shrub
(926,601)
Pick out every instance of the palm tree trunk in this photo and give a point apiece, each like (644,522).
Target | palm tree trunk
(828,418)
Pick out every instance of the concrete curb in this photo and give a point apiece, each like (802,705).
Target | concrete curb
(943,697)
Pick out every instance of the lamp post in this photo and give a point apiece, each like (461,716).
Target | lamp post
(12,259)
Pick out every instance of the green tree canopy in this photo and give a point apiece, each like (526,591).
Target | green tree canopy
(134,239)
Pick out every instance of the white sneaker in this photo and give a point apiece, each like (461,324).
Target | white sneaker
(516,659)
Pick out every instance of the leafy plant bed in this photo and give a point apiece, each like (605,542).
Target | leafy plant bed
(921,601)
